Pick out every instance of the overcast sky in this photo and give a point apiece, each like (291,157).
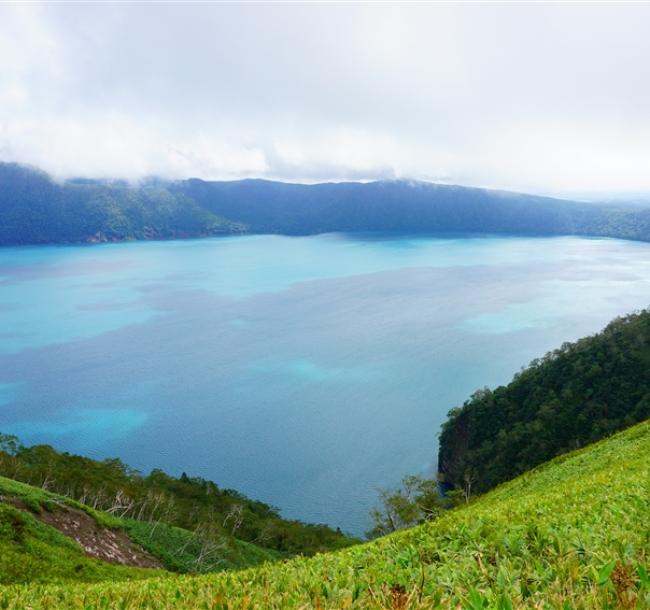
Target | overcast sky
(536,97)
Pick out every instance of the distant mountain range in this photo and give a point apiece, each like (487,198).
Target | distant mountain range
(35,209)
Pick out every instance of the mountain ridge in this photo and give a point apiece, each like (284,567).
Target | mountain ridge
(35,209)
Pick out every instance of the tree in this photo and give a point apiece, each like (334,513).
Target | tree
(416,500)
(468,479)
(9,444)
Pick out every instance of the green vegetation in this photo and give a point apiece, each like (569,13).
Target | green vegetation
(38,500)
(42,553)
(190,523)
(571,534)
(415,501)
(575,395)
(37,210)
(31,551)
(183,551)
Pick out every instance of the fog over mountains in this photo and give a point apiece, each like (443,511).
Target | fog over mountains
(35,209)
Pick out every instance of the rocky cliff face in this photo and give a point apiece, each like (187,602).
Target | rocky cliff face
(454,443)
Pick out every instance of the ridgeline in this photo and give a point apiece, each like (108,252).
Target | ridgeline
(37,210)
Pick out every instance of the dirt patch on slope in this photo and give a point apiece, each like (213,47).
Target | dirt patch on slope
(113,545)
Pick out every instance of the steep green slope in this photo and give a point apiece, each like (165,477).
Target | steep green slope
(47,537)
(31,550)
(575,395)
(572,533)
(181,550)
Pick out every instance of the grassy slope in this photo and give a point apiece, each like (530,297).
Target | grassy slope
(179,549)
(32,551)
(191,503)
(573,533)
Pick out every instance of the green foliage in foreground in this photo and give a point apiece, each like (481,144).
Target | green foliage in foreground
(575,395)
(571,534)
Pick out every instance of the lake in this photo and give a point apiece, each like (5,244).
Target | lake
(303,371)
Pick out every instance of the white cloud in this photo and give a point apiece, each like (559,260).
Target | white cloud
(543,97)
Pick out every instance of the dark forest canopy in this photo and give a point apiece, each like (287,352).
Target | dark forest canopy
(577,394)
(35,209)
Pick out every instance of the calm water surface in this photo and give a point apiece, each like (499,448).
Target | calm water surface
(305,372)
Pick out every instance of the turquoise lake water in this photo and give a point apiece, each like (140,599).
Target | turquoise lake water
(303,371)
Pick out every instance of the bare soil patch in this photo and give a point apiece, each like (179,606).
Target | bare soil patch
(113,545)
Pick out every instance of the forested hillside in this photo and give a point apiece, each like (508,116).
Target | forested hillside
(574,395)
(35,209)
(274,207)
(147,501)
(571,534)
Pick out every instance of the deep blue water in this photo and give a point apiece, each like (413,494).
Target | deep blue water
(305,372)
